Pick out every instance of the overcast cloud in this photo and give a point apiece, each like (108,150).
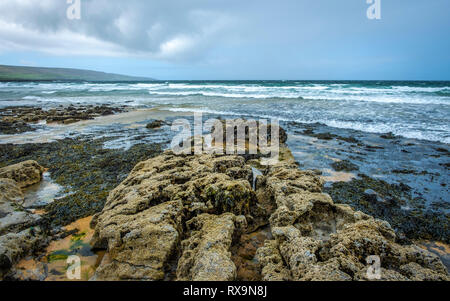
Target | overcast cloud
(233,39)
(171,30)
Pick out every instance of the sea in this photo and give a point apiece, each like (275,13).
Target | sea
(410,109)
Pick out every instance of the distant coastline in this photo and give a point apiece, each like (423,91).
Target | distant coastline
(19,73)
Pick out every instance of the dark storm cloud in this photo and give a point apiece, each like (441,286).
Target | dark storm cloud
(172,30)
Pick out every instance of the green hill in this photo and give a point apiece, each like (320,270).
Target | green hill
(18,73)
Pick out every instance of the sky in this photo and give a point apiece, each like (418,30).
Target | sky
(232,39)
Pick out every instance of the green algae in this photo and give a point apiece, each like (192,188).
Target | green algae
(86,170)
(344,165)
(394,203)
(58,255)
(78,236)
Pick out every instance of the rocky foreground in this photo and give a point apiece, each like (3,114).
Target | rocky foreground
(20,234)
(84,171)
(217,217)
(180,218)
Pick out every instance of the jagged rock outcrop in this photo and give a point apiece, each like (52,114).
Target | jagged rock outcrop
(251,128)
(25,173)
(194,188)
(206,253)
(10,197)
(9,192)
(315,239)
(182,216)
(17,237)
(140,242)
(13,218)
(17,221)
(204,184)
(14,246)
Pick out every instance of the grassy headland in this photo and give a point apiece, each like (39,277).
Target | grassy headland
(19,73)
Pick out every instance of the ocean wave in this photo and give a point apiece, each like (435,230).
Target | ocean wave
(443,93)
(410,110)
(430,134)
(201,110)
(32,97)
(149,85)
(318,97)
(241,87)
(420,89)
(226,95)
(285,90)
(382,99)
(396,129)
(312,92)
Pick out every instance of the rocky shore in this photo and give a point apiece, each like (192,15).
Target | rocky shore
(161,216)
(179,217)
(85,172)
(19,231)
(16,120)
(403,181)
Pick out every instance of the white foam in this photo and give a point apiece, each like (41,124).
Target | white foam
(32,97)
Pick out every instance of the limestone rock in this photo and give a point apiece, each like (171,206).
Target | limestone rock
(37,272)
(15,240)
(150,207)
(140,245)
(271,261)
(9,191)
(204,184)
(256,128)
(316,239)
(10,196)
(206,253)
(417,273)
(14,246)
(25,173)
(13,218)
(190,211)
(17,221)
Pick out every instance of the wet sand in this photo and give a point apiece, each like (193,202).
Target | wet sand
(337,176)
